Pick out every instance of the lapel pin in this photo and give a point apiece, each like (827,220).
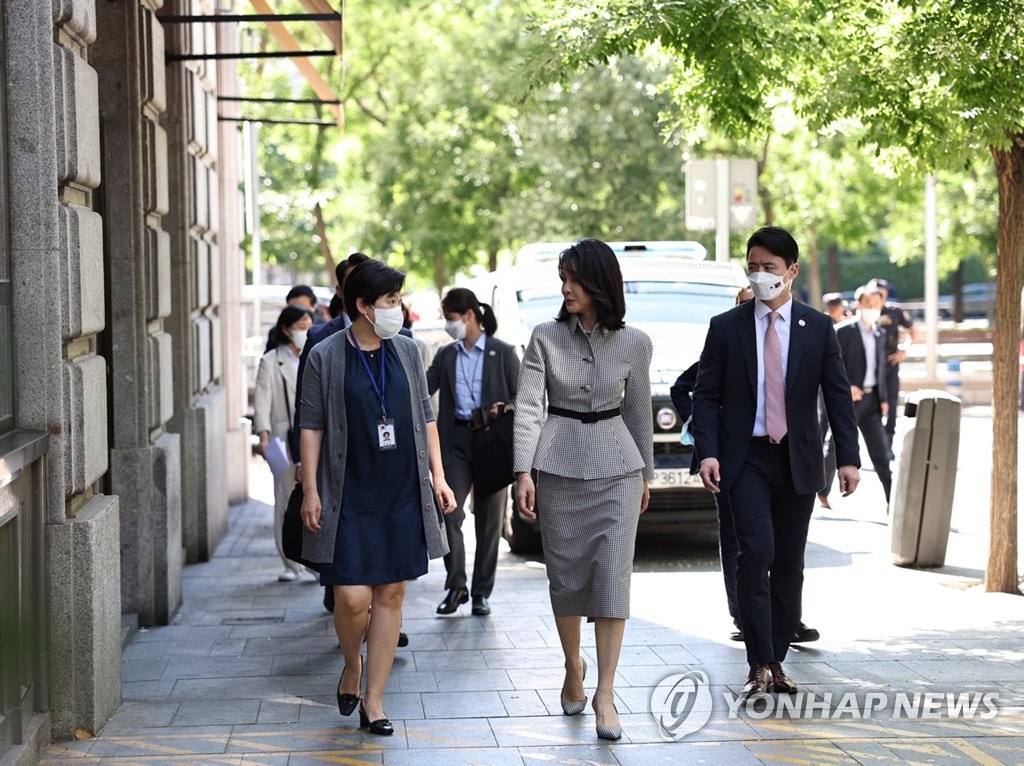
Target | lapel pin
(492,353)
(801,323)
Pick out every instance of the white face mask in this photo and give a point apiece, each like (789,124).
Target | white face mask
(299,338)
(387,322)
(767,287)
(456,328)
(870,315)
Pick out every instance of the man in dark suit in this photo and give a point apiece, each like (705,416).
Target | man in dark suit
(895,323)
(864,355)
(755,423)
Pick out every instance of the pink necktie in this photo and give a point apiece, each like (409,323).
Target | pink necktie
(774,390)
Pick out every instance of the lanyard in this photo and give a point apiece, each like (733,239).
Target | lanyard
(383,379)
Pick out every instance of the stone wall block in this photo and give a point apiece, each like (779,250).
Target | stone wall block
(157,254)
(78,120)
(153,77)
(198,138)
(78,17)
(201,346)
(200,197)
(130,479)
(216,347)
(168,553)
(200,258)
(161,362)
(61,614)
(96,629)
(82,289)
(154,168)
(85,422)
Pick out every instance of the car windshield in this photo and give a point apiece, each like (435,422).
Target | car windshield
(676,302)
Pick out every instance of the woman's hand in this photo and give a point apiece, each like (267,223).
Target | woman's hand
(525,494)
(311,510)
(645,498)
(261,448)
(444,495)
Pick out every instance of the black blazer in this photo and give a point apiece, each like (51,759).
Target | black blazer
(851,346)
(725,397)
(500,380)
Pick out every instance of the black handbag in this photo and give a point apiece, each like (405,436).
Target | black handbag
(291,530)
(492,450)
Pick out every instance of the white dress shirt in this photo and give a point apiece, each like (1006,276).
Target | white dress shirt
(867,336)
(782,325)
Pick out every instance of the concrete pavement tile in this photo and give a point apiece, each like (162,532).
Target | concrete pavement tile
(235,616)
(448,733)
(945,752)
(199,712)
(630,655)
(880,672)
(182,743)
(322,684)
(463,659)
(968,670)
(219,688)
(636,635)
(404,706)
(228,647)
(517,658)
(531,639)
(260,759)
(571,755)
(817,728)
(544,731)
(708,753)
(306,645)
(525,702)
(412,681)
(147,691)
(453,757)
(999,649)
(463,705)
(431,642)
(550,678)
(142,670)
(216,667)
(674,654)
(367,755)
(323,709)
(170,634)
(801,751)
(310,629)
(311,736)
(279,710)
(473,680)
(416,626)
(477,641)
(643,727)
(290,665)
(652,675)
(139,650)
(314,613)
(63,752)
(134,715)
(718,654)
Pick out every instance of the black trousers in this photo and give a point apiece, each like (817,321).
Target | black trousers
(892,396)
(869,420)
(488,513)
(771,522)
(728,552)
(828,445)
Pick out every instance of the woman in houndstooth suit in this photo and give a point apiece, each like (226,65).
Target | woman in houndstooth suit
(582,470)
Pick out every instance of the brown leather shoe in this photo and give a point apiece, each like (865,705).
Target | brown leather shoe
(757,682)
(780,682)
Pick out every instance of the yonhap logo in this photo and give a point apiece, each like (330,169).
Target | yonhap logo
(681,704)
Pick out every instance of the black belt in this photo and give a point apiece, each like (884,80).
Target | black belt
(466,424)
(768,439)
(585,417)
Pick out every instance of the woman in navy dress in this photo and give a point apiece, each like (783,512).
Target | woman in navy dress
(370,453)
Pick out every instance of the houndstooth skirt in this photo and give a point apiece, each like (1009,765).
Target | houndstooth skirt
(589,532)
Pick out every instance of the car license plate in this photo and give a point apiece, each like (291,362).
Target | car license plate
(666,478)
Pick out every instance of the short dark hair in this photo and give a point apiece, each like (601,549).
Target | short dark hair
(289,315)
(336,307)
(593,264)
(460,300)
(301,291)
(353,260)
(369,280)
(776,241)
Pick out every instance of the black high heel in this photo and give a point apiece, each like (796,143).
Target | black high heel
(347,702)
(381,726)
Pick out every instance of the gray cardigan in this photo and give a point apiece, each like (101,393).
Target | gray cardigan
(323,409)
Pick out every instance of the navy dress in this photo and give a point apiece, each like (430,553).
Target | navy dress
(380,530)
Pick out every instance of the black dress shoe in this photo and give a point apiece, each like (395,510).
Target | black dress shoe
(757,682)
(780,682)
(329,598)
(451,602)
(805,635)
(381,726)
(736,635)
(480,606)
(403,639)
(347,702)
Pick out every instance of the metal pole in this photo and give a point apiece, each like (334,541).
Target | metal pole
(931,278)
(722,209)
(252,187)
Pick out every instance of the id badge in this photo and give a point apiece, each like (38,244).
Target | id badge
(386,434)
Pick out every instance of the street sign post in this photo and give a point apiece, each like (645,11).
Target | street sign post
(721,194)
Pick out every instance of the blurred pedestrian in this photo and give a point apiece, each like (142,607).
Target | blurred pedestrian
(896,326)
(274,411)
(304,297)
(477,377)
(836,306)
(863,348)
(370,454)
(762,365)
(583,470)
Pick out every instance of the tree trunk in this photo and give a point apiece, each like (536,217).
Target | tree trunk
(1001,575)
(834,275)
(958,293)
(492,260)
(325,248)
(813,271)
(440,275)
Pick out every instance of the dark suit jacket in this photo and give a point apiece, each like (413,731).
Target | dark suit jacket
(851,346)
(681,390)
(500,380)
(725,398)
(316,334)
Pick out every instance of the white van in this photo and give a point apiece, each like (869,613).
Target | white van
(671,294)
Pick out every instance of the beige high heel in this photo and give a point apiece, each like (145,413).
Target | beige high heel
(575,707)
(607,732)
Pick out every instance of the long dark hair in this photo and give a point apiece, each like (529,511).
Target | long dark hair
(593,264)
(459,300)
(288,316)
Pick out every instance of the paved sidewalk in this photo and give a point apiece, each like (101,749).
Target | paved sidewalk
(247,672)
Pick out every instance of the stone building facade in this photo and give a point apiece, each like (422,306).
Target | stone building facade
(122,399)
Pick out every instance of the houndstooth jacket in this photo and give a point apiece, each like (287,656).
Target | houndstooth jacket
(574,371)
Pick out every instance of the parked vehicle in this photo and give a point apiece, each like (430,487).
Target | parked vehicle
(671,294)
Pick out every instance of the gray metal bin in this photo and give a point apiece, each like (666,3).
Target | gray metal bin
(922,496)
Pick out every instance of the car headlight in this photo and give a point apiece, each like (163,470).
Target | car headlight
(667,418)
